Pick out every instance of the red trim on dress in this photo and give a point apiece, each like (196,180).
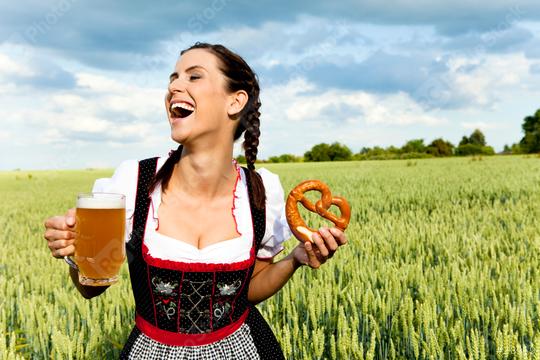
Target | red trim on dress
(197,266)
(181,339)
(234,197)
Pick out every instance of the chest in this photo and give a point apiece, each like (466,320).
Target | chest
(197,223)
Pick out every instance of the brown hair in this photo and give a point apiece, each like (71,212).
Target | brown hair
(239,76)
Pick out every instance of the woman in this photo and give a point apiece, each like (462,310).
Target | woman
(197,265)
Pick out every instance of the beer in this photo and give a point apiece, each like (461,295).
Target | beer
(99,243)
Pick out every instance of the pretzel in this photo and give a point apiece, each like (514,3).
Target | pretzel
(297,225)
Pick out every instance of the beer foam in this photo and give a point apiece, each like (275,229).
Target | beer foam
(100,203)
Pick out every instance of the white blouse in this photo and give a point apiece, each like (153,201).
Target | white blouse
(124,181)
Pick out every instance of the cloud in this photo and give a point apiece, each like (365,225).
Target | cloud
(10,67)
(334,107)
(535,68)
(96,110)
(510,39)
(42,74)
(112,34)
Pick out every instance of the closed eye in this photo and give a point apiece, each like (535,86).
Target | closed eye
(194,77)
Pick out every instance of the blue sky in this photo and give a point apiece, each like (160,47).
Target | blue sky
(82,83)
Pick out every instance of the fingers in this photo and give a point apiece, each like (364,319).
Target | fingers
(53,234)
(325,243)
(313,261)
(329,240)
(59,223)
(70,217)
(319,242)
(339,235)
(60,234)
(61,248)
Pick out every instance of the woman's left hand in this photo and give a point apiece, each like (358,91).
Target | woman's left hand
(323,247)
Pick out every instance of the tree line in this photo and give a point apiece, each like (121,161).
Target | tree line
(474,144)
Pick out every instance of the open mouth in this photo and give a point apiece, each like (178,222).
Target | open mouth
(181,109)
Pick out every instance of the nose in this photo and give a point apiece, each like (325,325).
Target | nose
(176,85)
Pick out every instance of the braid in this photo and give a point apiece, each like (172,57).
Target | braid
(251,136)
(250,144)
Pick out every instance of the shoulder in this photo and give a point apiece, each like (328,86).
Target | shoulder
(277,229)
(130,168)
(124,181)
(271,180)
(272,185)
(124,177)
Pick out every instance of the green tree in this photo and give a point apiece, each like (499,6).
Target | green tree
(339,152)
(473,149)
(325,152)
(477,138)
(475,144)
(516,149)
(318,152)
(440,147)
(393,150)
(284,158)
(414,146)
(530,143)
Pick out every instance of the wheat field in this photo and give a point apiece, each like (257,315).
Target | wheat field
(442,263)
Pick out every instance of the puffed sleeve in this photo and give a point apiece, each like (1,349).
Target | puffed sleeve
(277,228)
(123,181)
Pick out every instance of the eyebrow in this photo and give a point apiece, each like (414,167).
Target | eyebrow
(175,74)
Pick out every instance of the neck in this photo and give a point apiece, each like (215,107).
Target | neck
(207,173)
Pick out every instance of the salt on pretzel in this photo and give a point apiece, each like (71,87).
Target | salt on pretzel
(295,221)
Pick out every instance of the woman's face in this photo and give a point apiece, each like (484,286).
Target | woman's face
(197,103)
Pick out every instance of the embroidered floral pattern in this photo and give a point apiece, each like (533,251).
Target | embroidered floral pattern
(163,288)
(229,289)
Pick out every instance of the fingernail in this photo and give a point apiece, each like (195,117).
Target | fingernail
(70,219)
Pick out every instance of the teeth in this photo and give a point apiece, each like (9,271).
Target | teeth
(183,106)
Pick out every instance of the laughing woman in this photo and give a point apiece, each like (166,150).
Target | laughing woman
(204,230)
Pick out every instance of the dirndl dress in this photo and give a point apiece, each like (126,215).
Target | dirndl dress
(193,310)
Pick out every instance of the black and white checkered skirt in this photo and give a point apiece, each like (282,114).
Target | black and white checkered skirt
(254,339)
(238,345)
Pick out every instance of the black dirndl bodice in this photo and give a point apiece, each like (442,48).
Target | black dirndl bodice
(189,304)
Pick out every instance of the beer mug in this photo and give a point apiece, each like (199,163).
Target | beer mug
(99,240)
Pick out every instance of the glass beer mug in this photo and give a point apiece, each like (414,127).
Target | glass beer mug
(99,240)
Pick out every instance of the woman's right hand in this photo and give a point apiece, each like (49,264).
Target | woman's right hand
(60,234)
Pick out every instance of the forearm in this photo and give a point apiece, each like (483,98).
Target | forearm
(87,292)
(271,279)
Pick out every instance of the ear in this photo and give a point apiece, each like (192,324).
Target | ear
(236,102)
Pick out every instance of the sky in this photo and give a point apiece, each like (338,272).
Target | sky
(82,83)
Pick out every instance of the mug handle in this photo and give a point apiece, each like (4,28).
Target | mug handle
(71,262)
